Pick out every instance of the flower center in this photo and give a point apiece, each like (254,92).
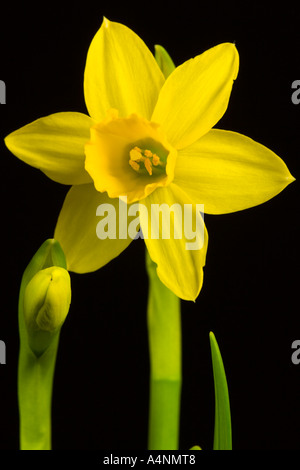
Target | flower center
(129,156)
(144,159)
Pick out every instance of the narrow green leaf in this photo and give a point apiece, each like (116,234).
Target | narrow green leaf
(164,61)
(222,431)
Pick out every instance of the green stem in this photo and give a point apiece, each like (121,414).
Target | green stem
(35,383)
(164,330)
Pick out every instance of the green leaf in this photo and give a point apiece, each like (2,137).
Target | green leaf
(164,61)
(222,431)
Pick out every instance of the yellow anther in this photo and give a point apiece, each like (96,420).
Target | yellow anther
(156,160)
(148,153)
(148,166)
(145,156)
(134,165)
(135,154)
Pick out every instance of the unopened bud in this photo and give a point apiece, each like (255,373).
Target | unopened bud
(47,299)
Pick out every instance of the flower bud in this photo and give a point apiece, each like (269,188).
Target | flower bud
(47,299)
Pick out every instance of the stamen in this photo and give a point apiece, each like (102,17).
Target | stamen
(138,156)
(148,166)
(156,160)
(148,153)
(135,154)
(134,165)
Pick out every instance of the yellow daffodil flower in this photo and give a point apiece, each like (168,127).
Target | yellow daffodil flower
(150,139)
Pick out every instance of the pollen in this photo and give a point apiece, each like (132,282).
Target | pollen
(156,160)
(135,154)
(143,156)
(148,153)
(134,165)
(148,165)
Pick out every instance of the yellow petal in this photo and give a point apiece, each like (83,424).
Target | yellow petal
(228,172)
(55,145)
(195,96)
(120,73)
(76,230)
(180,256)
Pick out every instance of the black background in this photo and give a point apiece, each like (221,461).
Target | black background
(250,297)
